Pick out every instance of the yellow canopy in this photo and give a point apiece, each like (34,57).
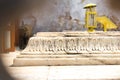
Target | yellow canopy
(90,5)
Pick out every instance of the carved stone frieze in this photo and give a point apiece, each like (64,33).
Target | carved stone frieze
(98,43)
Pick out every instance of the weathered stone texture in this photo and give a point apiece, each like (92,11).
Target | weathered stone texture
(73,42)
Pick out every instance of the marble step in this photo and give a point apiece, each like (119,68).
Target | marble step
(65,60)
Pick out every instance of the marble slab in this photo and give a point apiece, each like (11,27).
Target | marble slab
(71,48)
(65,60)
(73,42)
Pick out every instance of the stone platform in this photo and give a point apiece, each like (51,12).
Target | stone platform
(64,60)
(71,48)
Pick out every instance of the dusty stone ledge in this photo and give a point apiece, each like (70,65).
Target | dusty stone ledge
(71,48)
(65,60)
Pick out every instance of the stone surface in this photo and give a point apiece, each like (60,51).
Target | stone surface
(8,58)
(89,72)
(71,48)
(59,60)
(73,42)
(83,73)
(66,73)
